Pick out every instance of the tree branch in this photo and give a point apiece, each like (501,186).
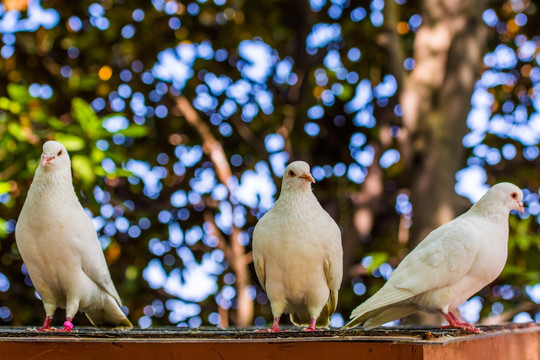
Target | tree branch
(365,203)
(211,146)
(509,314)
(248,136)
(233,250)
(391,41)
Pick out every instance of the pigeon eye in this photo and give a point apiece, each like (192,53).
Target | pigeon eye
(514,195)
(291,173)
(59,153)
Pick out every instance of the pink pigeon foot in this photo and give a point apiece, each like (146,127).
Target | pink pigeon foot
(274,328)
(454,322)
(46,325)
(68,325)
(312,326)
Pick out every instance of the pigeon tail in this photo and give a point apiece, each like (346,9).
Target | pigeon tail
(389,314)
(300,318)
(324,318)
(384,304)
(379,317)
(108,316)
(387,296)
(303,318)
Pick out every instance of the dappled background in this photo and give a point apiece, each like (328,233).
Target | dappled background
(180,117)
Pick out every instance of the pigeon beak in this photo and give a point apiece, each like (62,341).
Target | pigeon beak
(307,177)
(45,159)
(520,207)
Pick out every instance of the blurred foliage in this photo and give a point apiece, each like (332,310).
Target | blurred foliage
(105,79)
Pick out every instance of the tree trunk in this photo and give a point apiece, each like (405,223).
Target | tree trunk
(436,100)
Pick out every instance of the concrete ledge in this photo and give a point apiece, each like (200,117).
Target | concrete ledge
(505,342)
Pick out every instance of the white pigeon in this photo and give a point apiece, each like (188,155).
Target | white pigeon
(298,254)
(451,264)
(59,246)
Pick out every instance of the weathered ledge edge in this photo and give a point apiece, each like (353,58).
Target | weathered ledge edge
(401,334)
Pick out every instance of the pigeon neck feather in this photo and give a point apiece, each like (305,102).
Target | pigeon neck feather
(491,208)
(290,197)
(57,182)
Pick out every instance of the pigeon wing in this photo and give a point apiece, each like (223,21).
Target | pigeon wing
(333,279)
(442,259)
(260,240)
(92,259)
(259,270)
(333,266)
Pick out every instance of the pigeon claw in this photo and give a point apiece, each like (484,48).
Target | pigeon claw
(274,329)
(270,330)
(468,328)
(454,322)
(311,326)
(68,325)
(46,325)
(473,329)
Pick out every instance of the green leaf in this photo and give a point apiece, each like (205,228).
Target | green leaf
(346,93)
(97,155)
(533,276)
(3,228)
(55,123)
(82,167)
(5,187)
(89,82)
(100,172)
(512,270)
(117,156)
(4,103)
(15,107)
(16,130)
(18,93)
(87,118)
(378,258)
(122,172)
(71,142)
(134,131)
(131,272)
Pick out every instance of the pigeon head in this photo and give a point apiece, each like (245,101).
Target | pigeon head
(54,156)
(297,176)
(508,194)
